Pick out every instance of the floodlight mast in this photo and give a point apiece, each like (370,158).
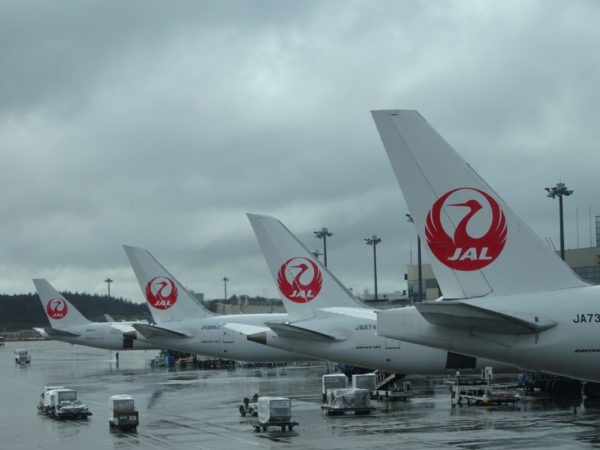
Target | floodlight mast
(323,234)
(560,191)
(108,281)
(373,241)
(225,280)
(419,265)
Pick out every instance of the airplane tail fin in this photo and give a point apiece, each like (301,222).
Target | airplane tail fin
(167,299)
(60,312)
(478,245)
(304,284)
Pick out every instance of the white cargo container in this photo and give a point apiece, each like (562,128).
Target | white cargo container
(340,401)
(273,410)
(364,381)
(333,381)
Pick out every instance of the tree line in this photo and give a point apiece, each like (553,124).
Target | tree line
(22,311)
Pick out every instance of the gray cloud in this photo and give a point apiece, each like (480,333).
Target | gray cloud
(160,125)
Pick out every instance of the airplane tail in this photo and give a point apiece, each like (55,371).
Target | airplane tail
(60,312)
(478,245)
(304,284)
(167,299)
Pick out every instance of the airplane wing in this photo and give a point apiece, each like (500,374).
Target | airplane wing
(150,331)
(258,333)
(456,314)
(108,318)
(55,332)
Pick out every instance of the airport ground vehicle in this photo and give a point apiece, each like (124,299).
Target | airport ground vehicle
(123,414)
(274,412)
(62,403)
(22,356)
(249,406)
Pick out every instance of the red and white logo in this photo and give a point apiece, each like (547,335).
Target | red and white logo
(299,280)
(478,239)
(57,308)
(161,292)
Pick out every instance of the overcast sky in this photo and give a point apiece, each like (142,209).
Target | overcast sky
(160,124)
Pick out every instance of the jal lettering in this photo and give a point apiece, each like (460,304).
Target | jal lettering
(302,293)
(470,254)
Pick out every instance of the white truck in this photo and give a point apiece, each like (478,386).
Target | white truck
(274,411)
(123,413)
(61,403)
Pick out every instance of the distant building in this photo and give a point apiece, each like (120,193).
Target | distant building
(585,262)
(431,289)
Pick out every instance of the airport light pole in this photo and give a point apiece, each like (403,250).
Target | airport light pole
(419,265)
(373,241)
(560,191)
(323,234)
(108,281)
(225,280)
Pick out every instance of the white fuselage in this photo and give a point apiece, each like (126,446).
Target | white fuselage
(357,344)
(571,348)
(209,337)
(102,335)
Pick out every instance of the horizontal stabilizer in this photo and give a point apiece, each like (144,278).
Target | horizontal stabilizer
(295,332)
(455,314)
(123,327)
(244,328)
(42,332)
(359,313)
(55,332)
(150,331)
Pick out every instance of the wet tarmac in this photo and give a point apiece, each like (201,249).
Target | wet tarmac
(189,409)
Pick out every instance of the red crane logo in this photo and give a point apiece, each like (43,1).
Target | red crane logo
(57,308)
(301,285)
(161,292)
(462,251)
